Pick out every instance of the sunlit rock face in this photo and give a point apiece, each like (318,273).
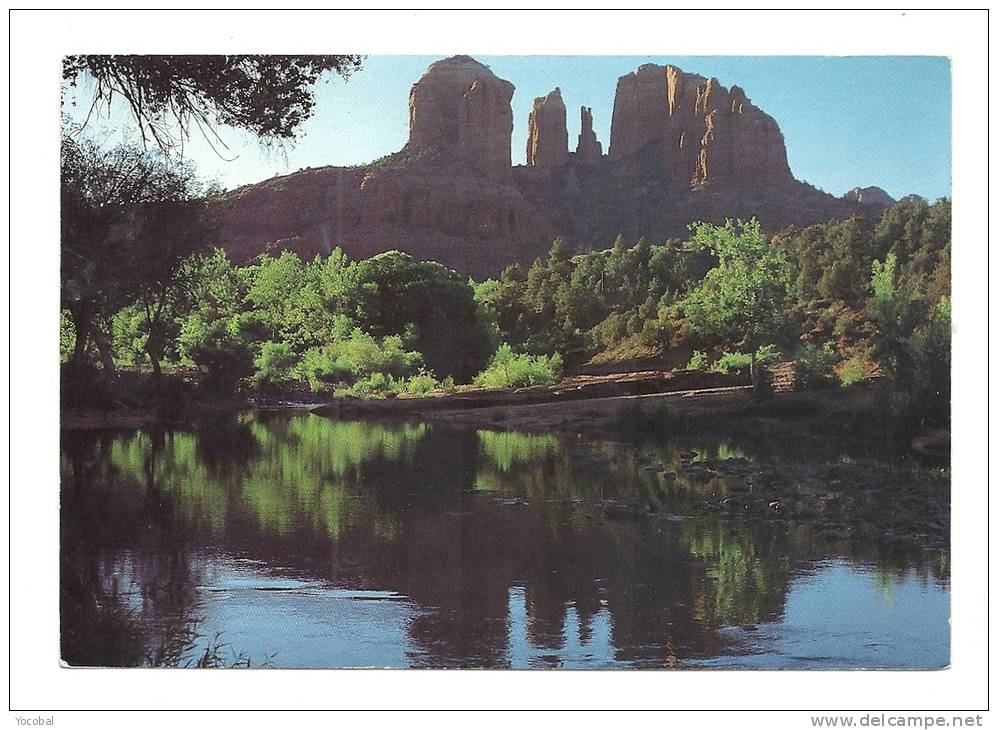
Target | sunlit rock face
(462,109)
(703,132)
(682,148)
(547,139)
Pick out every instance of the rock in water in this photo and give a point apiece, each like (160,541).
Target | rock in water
(547,140)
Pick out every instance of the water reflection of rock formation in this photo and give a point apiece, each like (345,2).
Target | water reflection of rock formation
(501,536)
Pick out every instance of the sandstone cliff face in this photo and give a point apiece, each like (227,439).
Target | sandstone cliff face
(458,217)
(704,133)
(641,111)
(547,133)
(462,109)
(588,150)
(683,148)
(741,143)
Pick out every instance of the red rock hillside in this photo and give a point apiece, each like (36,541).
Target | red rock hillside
(682,148)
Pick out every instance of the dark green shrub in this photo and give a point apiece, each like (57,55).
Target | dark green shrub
(814,367)
(219,349)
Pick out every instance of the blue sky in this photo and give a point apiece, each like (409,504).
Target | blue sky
(847,121)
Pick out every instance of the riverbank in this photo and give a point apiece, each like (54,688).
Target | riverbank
(894,492)
(613,411)
(858,412)
(136,401)
(622,403)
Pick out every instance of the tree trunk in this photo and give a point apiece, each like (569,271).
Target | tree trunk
(754,374)
(156,370)
(154,342)
(104,348)
(761,385)
(82,319)
(155,351)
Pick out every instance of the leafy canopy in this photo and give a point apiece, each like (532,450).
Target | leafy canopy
(129,217)
(432,307)
(170,96)
(743,300)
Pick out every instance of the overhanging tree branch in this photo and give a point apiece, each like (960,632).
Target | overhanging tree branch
(268,96)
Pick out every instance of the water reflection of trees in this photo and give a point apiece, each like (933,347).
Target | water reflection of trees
(126,576)
(477,527)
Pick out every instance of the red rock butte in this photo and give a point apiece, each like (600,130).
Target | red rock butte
(462,109)
(682,148)
(547,135)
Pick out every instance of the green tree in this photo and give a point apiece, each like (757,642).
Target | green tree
(171,231)
(896,310)
(932,353)
(432,307)
(578,301)
(128,218)
(744,299)
(911,345)
(560,253)
(615,272)
(214,335)
(505,300)
(277,289)
(641,258)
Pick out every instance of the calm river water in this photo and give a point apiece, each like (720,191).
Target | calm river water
(292,540)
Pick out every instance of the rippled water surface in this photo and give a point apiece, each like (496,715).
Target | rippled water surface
(291,540)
